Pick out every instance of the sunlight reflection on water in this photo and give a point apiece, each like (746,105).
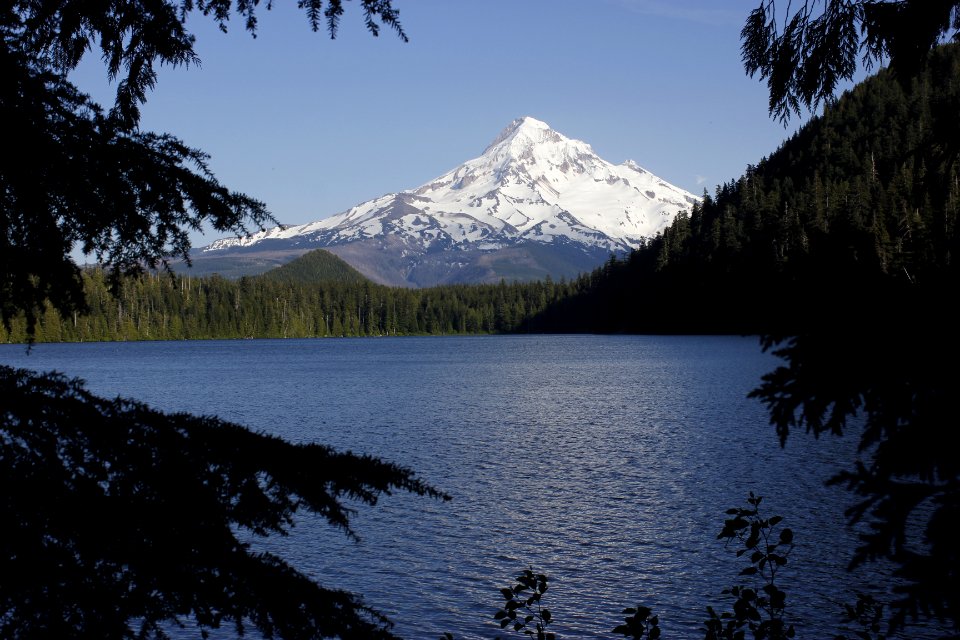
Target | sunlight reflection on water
(605,462)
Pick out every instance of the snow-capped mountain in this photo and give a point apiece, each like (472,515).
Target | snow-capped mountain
(532,192)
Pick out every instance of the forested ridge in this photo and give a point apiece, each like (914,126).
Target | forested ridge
(840,249)
(859,206)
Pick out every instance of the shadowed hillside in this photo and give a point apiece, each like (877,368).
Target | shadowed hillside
(314,267)
(857,212)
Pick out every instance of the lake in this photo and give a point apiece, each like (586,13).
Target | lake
(606,462)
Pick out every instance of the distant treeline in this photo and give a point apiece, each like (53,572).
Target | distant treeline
(164,307)
(855,215)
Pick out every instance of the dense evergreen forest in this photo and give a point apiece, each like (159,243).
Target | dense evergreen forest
(315,266)
(164,307)
(858,210)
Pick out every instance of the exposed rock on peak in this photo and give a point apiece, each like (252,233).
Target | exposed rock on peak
(531,186)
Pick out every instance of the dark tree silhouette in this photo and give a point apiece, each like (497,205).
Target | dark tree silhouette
(804,50)
(840,247)
(894,383)
(117,519)
(888,359)
(76,176)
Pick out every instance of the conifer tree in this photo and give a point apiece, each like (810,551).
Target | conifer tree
(119,520)
(804,49)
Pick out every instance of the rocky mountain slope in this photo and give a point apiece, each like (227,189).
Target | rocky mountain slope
(535,203)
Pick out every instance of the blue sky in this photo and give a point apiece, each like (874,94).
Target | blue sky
(313,126)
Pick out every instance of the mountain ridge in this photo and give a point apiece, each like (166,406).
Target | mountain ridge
(530,186)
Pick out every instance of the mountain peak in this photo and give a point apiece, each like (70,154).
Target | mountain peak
(525,130)
(532,189)
(529,123)
(525,124)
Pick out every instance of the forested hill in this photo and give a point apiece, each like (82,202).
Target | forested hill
(858,210)
(315,267)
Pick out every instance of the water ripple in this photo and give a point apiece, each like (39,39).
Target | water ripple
(605,462)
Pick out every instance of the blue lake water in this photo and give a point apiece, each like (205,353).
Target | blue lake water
(606,462)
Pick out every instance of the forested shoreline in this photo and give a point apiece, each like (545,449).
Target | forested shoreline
(165,307)
(856,211)
(854,216)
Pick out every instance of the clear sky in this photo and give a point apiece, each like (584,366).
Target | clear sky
(313,126)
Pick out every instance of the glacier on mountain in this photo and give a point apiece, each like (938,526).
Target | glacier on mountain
(530,185)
